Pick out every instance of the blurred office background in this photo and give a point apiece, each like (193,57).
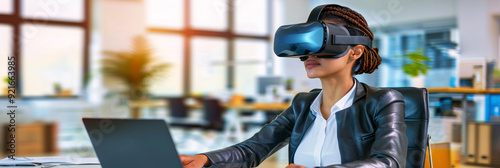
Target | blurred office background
(207,67)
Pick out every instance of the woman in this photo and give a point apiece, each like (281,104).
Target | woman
(345,124)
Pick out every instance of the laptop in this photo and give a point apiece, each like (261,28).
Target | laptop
(133,143)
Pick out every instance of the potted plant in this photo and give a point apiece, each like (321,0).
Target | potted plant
(414,66)
(289,84)
(496,78)
(134,69)
(57,88)
(6,89)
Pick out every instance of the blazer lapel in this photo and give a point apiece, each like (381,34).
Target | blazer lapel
(309,118)
(342,128)
(360,90)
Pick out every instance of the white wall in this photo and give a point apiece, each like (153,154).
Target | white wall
(479,29)
(393,12)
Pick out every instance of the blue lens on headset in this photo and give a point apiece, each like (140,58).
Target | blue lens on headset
(299,39)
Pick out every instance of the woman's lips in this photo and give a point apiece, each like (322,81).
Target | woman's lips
(311,64)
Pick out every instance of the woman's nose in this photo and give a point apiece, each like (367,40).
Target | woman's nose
(305,57)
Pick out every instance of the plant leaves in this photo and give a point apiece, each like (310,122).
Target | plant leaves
(413,62)
(134,68)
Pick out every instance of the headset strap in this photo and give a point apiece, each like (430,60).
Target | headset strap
(352,40)
(338,39)
(314,15)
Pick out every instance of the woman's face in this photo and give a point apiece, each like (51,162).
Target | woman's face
(331,67)
(325,67)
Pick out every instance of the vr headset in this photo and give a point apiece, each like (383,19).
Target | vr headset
(315,37)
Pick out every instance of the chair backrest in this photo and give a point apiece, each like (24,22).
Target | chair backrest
(417,121)
(177,107)
(213,113)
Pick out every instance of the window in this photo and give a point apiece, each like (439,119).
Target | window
(53,56)
(225,43)
(250,18)
(165,14)
(68,10)
(250,64)
(5,45)
(50,42)
(6,6)
(209,15)
(168,49)
(209,72)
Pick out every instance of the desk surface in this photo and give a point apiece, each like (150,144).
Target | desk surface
(467,90)
(243,106)
(60,166)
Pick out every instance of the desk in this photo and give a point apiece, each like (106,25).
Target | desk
(233,119)
(229,106)
(60,166)
(464,90)
(259,106)
(135,106)
(239,106)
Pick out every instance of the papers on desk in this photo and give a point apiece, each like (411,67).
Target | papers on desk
(54,160)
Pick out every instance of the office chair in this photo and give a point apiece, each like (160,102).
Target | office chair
(179,114)
(212,114)
(213,110)
(417,121)
(177,107)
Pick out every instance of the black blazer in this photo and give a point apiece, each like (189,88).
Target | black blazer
(371,132)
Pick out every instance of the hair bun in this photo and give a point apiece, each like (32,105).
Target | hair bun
(375,50)
(371,61)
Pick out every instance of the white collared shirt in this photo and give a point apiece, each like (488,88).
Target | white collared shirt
(319,146)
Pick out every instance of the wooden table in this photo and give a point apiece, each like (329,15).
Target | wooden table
(258,106)
(240,106)
(233,114)
(464,90)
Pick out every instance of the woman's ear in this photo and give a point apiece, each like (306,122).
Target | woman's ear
(357,51)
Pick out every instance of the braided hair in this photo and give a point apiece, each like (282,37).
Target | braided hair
(357,26)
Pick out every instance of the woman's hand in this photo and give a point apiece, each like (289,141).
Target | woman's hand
(195,161)
(291,165)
